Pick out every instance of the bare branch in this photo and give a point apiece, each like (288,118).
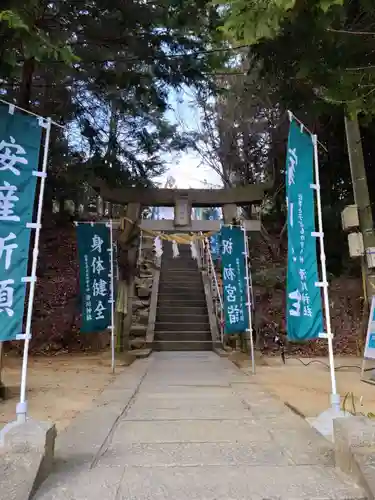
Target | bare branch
(355,33)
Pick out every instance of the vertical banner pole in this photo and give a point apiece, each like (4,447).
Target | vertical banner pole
(247,280)
(112,298)
(22,405)
(335,398)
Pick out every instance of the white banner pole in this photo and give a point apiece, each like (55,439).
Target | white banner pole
(112,299)
(21,409)
(247,280)
(335,397)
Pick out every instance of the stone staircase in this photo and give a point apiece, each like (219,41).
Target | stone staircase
(182,319)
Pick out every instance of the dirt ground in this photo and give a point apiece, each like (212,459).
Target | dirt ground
(307,388)
(62,386)
(59,387)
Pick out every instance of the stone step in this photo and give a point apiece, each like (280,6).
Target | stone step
(138,330)
(185,267)
(191,311)
(139,304)
(180,288)
(182,346)
(180,278)
(175,272)
(182,336)
(183,261)
(180,270)
(182,296)
(171,316)
(178,301)
(185,285)
(256,481)
(176,326)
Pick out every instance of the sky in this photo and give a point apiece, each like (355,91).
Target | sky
(187,168)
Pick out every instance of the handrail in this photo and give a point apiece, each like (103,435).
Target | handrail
(208,263)
(217,294)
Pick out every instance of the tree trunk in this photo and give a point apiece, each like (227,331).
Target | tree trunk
(361,194)
(24,96)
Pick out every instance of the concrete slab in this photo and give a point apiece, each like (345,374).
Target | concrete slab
(101,483)
(190,431)
(194,412)
(282,422)
(183,392)
(186,381)
(175,400)
(304,446)
(193,429)
(194,454)
(240,483)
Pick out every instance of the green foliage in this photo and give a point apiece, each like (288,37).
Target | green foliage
(249,21)
(13,20)
(320,45)
(23,37)
(104,69)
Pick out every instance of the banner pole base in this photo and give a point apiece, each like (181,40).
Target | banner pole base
(21,412)
(323,423)
(336,402)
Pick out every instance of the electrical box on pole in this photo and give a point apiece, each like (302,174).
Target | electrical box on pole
(356,248)
(349,218)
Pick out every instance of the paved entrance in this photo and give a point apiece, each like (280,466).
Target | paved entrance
(197,428)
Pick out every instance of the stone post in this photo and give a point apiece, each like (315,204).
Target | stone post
(27,455)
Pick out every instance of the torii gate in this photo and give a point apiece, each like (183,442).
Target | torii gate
(183,200)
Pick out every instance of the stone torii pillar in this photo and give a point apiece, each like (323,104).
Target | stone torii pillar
(128,241)
(229,213)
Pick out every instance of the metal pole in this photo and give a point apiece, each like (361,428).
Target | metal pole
(140,248)
(21,409)
(335,398)
(247,280)
(112,299)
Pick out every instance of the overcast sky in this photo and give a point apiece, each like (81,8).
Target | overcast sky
(186,168)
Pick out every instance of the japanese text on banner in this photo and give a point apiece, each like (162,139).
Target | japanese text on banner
(234,280)
(213,214)
(95,276)
(20,138)
(304,312)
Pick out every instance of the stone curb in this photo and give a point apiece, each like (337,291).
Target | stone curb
(354,440)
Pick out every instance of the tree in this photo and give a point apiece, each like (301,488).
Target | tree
(104,69)
(334,65)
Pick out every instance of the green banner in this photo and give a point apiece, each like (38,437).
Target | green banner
(20,137)
(94,246)
(304,308)
(234,279)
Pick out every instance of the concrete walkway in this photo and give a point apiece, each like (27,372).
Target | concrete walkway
(191,426)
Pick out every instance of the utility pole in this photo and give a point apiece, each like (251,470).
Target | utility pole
(361,199)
